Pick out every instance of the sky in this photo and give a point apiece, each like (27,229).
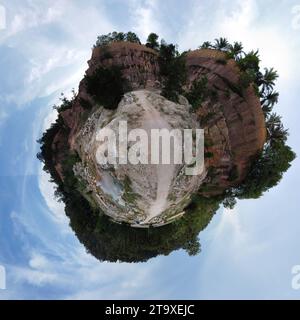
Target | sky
(247,252)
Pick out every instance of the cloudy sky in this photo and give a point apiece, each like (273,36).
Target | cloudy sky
(248,252)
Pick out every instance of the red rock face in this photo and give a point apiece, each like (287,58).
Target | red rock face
(234,124)
(139,63)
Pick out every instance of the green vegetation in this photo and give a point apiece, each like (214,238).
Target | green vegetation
(263,82)
(172,71)
(109,241)
(152,41)
(198,93)
(65,102)
(107,86)
(266,171)
(128,194)
(106,39)
(85,104)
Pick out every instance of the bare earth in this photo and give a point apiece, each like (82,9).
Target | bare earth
(164,173)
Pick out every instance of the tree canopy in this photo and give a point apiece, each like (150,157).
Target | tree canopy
(106,39)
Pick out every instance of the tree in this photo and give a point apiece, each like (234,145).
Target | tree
(103,40)
(268,101)
(118,36)
(267,80)
(249,61)
(172,70)
(229,202)
(132,37)
(106,85)
(206,45)
(275,129)
(152,41)
(192,247)
(235,50)
(266,171)
(221,44)
(198,92)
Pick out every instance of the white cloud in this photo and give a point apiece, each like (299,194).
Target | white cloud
(3,116)
(37,261)
(243,21)
(145,18)
(55,61)
(56,209)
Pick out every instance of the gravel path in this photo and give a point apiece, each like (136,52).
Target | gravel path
(164,172)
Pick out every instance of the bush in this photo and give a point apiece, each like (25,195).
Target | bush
(266,171)
(106,86)
(172,71)
(106,39)
(198,92)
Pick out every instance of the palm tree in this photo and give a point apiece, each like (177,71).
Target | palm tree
(250,61)
(269,100)
(206,45)
(275,129)
(235,50)
(268,79)
(221,44)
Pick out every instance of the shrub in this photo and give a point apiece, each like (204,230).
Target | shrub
(107,86)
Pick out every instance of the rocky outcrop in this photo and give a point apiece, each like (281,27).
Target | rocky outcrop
(233,119)
(139,194)
(139,63)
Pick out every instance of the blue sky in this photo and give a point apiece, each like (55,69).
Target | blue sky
(247,252)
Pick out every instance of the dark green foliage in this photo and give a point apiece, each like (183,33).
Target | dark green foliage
(198,92)
(246,79)
(106,86)
(65,102)
(152,41)
(85,104)
(206,45)
(275,130)
(106,39)
(71,183)
(172,71)
(229,202)
(267,171)
(109,241)
(129,196)
(208,155)
(132,37)
(235,51)
(250,61)
(221,44)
